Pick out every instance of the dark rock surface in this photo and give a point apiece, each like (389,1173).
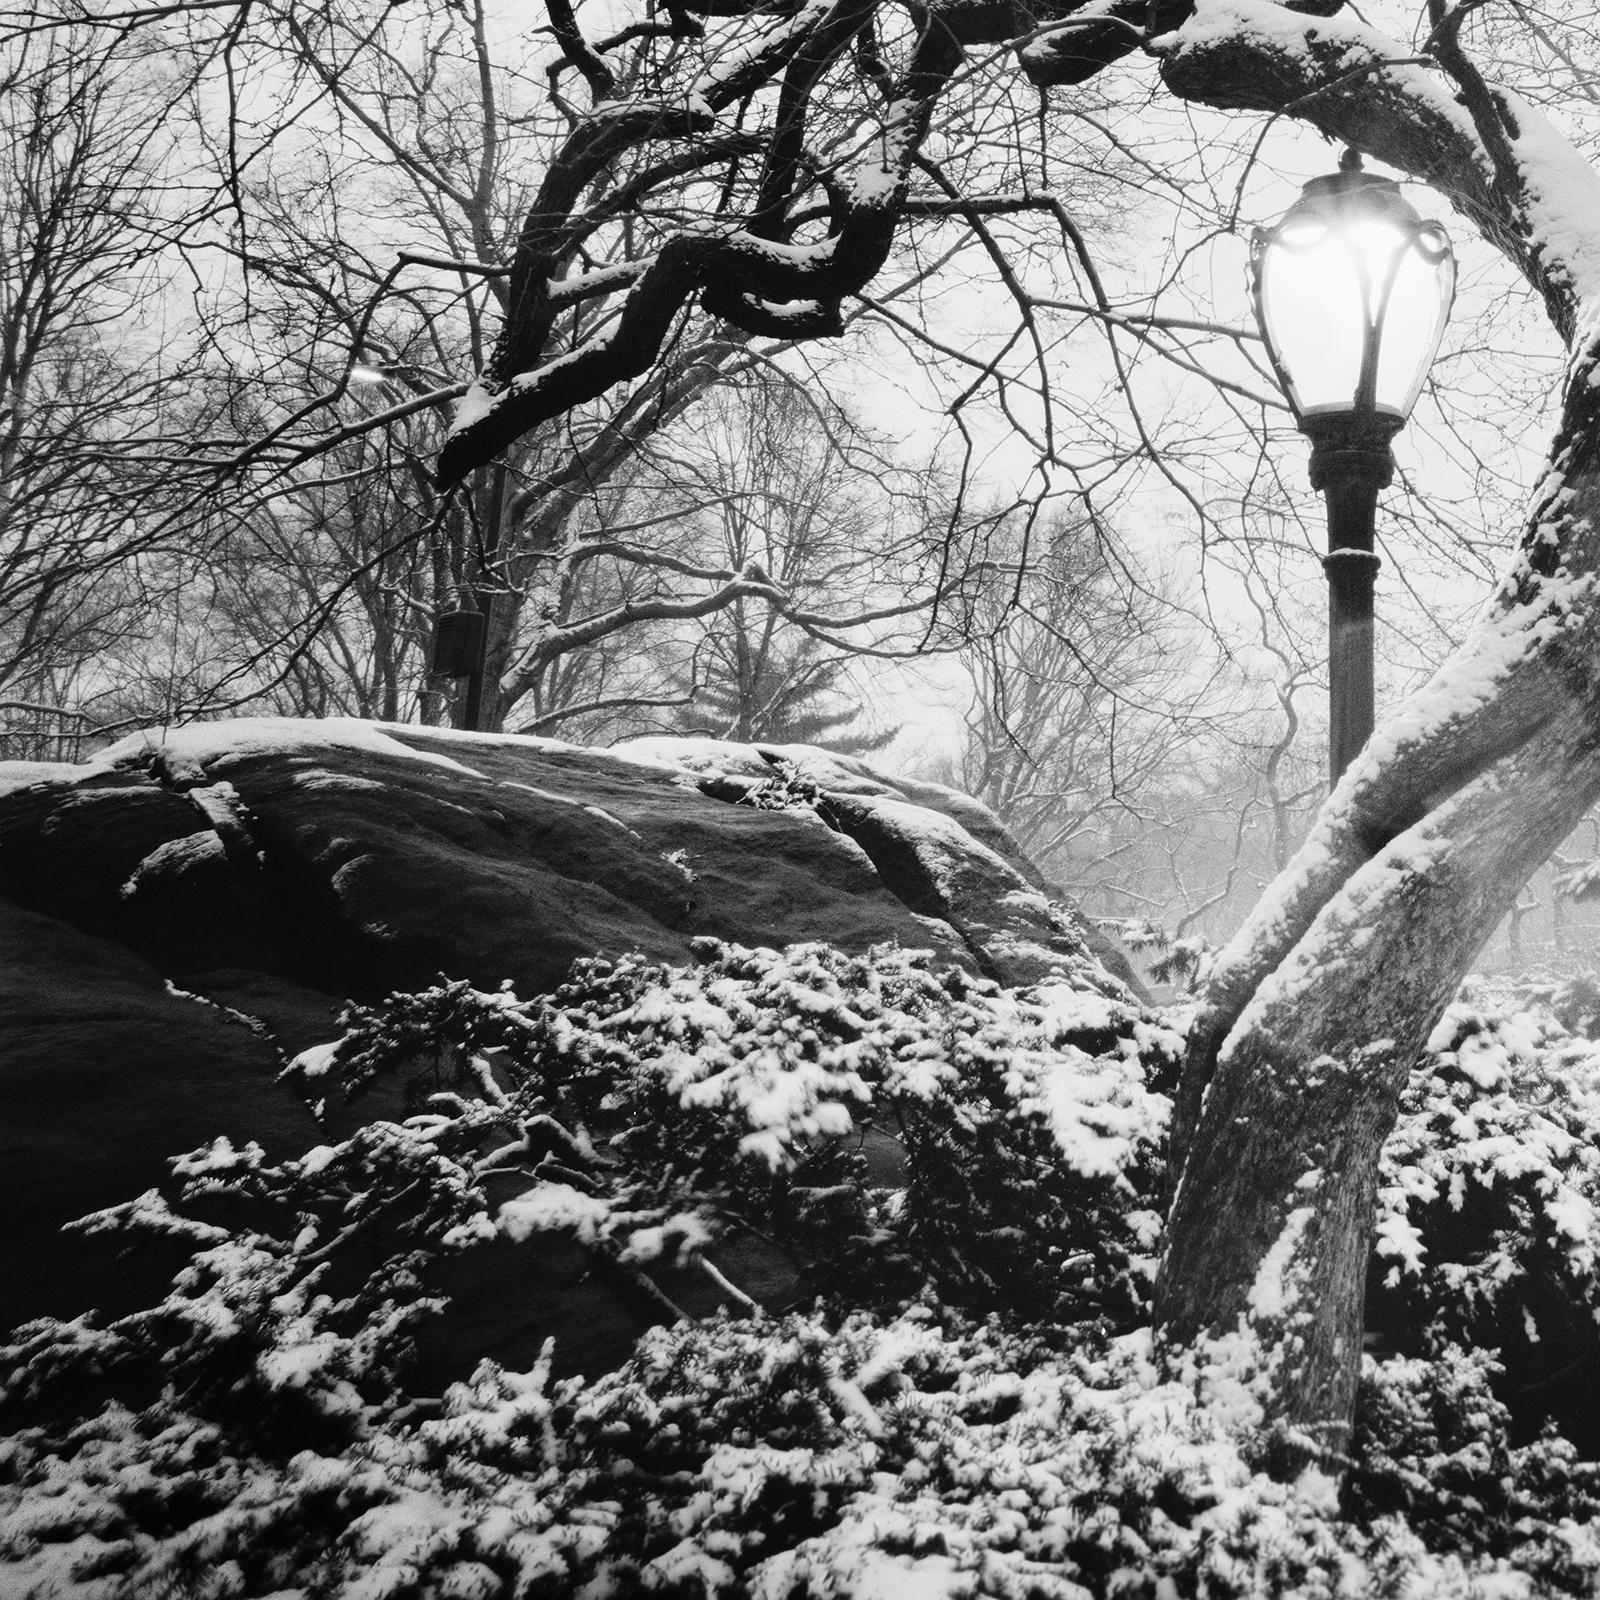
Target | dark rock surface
(267,870)
(105,1072)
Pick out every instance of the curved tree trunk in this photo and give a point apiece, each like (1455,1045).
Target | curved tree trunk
(1271,1224)
(1318,1010)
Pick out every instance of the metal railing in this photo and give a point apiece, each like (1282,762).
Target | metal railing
(33,732)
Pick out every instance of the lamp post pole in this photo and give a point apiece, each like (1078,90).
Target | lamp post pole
(1351,464)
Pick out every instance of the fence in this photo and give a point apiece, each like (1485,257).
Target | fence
(30,732)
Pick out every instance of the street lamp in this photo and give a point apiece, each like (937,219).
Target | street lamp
(1351,290)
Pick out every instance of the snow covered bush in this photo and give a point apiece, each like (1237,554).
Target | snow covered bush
(296,1312)
(1488,1228)
(861,1459)
(1573,1000)
(886,1128)
(885,1123)
(959,1403)
(1434,1446)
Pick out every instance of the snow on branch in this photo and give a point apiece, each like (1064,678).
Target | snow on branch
(759,283)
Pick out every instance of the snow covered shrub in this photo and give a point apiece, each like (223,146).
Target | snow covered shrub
(910,1457)
(785,787)
(1573,1001)
(863,1459)
(964,1176)
(295,1313)
(1433,1445)
(1488,1228)
(886,1124)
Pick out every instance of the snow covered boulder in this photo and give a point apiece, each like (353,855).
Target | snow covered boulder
(357,858)
(942,853)
(269,870)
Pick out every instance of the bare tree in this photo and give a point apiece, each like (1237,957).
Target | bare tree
(838,543)
(318,334)
(89,392)
(1081,692)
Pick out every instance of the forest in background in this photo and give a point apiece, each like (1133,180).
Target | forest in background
(1029,525)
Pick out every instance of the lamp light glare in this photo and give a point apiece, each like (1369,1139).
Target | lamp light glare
(1352,291)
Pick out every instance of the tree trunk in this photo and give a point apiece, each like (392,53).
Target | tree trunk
(1271,1224)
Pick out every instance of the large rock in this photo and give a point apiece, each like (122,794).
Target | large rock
(105,1073)
(355,858)
(944,854)
(190,909)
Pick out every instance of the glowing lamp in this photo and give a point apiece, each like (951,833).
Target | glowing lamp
(1351,290)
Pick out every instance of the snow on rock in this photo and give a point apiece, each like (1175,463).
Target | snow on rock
(276,867)
(201,743)
(172,856)
(409,851)
(25,774)
(316,1061)
(703,757)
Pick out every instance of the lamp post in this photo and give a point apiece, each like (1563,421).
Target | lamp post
(1351,290)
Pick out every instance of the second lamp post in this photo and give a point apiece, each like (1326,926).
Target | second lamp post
(1351,290)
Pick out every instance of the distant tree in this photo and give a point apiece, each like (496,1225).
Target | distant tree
(794,696)
(91,392)
(1080,693)
(791,485)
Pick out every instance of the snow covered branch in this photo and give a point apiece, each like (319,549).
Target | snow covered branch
(1538,203)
